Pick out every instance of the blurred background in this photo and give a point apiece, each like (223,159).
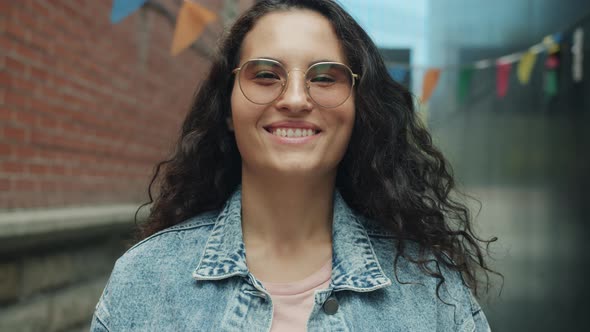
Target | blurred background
(92,94)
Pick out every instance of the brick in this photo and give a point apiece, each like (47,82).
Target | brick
(24,85)
(23,152)
(39,9)
(5,114)
(59,170)
(24,19)
(7,45)
(26,119)
(6,7)
(16,100)
(5,149)
(14,167)
(48,186)
(28,54)
(23,185)
(42,139)
(38,169)
(49,123)
(14,133)
(41,105)
(4,186)
(39,75)
(5,79)
(14,65)
(17,31)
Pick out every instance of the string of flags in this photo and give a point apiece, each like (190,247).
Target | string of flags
(193,18)
(190,23)
(524,61)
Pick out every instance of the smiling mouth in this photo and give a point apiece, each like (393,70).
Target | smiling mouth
(292,132)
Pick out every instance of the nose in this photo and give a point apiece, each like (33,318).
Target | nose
(295,97)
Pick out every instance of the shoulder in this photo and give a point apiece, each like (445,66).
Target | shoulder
(453,299)
(163,261)
(178,244)
(386,246)
(172,240)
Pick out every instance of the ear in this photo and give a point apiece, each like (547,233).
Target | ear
(230,123)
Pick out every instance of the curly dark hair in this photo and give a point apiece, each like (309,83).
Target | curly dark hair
(391,172)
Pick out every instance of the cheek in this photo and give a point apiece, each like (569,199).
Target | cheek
(245,118)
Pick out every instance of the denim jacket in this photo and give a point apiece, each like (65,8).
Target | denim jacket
(193,277)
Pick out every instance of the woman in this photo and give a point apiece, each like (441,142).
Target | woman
(303,194)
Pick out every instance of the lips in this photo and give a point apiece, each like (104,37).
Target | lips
(302,125)
(293,131)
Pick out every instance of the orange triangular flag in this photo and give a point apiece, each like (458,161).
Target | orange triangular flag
(430,80)
(190,23)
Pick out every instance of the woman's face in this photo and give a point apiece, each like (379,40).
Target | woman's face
(296,39)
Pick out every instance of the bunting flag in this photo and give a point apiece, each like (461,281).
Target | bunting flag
(192,19)
(398,74)
(552,62)
(552,43)
(502,78)
(124,8)
(464,82)
(190,24)
(578,55)
(525,67)
(429,83)
(551,84)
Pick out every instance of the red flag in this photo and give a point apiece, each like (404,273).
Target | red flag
(502,76)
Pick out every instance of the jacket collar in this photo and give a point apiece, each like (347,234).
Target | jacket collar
(354,263)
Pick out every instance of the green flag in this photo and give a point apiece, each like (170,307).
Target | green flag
(464,82)
(551,83)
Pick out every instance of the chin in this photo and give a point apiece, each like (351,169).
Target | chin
(302,170)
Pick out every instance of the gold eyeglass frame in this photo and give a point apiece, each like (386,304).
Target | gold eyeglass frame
(285,84)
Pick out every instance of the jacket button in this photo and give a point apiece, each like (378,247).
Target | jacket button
(331,306)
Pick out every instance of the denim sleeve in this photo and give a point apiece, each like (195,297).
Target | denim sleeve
(97,325)
(101,313)
(479,318)
(476,320)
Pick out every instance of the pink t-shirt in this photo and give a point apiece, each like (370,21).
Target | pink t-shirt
(293,301)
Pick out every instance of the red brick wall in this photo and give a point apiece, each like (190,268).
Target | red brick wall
(86,107)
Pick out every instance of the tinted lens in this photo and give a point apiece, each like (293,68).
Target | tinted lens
(330,84)
(262,81)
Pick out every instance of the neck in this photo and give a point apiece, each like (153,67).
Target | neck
(286,214)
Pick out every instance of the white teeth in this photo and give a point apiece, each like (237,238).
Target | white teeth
(289,132)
